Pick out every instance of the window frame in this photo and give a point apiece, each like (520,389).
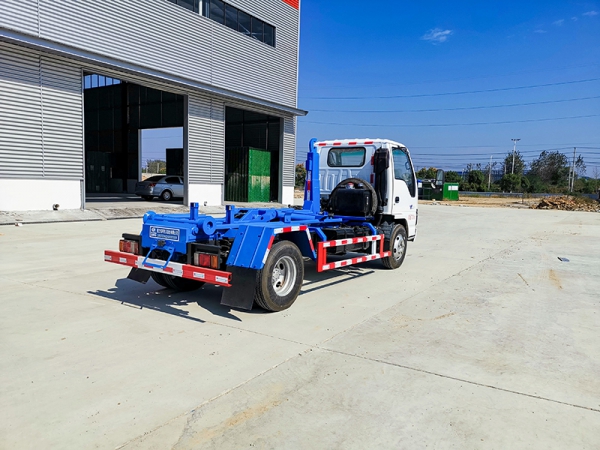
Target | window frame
(364,157)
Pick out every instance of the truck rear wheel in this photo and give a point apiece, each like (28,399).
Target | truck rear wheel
(182,284)
(395,243)
(160,279)
(280,280)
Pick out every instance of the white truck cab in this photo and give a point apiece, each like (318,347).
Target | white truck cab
(383,165)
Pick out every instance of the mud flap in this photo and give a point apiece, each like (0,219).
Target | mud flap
(139,275)
(243,286)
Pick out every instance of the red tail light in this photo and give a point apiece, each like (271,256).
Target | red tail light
(127,246)
(206,260)
(152,184)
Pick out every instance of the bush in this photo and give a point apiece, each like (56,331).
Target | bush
(300,175)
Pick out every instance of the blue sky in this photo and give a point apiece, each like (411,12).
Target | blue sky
(360,58)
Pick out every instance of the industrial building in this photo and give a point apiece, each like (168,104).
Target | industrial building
(81,80)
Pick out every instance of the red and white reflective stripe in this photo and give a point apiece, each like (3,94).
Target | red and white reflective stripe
(312,246)
(349,241)
(268,249)
(349,262)
(179,270)
(289,229)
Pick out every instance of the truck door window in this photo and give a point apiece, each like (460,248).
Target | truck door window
(346,157)
(403,169)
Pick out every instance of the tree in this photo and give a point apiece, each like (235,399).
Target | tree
(156,166)
(551,168)
(426,174)
(510,182)
(300,175)
(476,180)
(453,177)
(519,163)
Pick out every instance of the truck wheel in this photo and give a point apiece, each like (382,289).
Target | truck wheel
(395,242)
(280,280)
(182,284)
(159,279)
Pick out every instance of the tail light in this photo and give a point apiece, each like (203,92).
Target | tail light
(206,260)
(127,246)
(152,184)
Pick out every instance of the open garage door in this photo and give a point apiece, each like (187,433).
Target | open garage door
(115,114)
(252,156)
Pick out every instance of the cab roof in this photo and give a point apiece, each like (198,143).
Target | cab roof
(356,142)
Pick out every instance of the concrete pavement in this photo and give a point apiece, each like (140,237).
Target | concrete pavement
(482,339)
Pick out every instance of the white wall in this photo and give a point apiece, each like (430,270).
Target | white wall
(211,194)
(23,195)
(287,195)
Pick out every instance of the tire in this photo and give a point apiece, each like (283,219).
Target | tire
(159,278)
(166,196)
(148,198)
(182,284)
(342,184)
(395,242)
(280,280)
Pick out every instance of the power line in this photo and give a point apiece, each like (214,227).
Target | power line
(459,92)
(452,109)
(452,124)
(452,80)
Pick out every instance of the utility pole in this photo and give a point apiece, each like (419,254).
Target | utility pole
(514,151)
(490,175)
(572,172)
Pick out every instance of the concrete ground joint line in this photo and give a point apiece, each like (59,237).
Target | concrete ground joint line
(462,380)
(206,402)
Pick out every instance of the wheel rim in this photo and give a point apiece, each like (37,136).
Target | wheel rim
(398,248)
(167,196)
(283,277)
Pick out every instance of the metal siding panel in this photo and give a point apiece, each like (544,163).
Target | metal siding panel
(19,15)
(217,142)
(160,35)
(199,139)
(21,143)
(289,150)
(63,119)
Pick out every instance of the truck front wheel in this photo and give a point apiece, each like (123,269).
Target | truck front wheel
(395,243)
(280,280)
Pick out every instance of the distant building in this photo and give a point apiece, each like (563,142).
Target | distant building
(79,80)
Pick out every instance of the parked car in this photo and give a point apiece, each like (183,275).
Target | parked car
(164,186)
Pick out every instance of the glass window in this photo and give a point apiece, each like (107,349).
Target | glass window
(258,29)
(172,180)
(403,168)
(346,157)
(217,11)
(245,23)
(231,17)
(269,35)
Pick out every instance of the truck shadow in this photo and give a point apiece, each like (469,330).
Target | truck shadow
(157,298)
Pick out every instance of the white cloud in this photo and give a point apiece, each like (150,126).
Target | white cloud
(540,31)
(437,35)
(574,19)
(558,23)
(590,13)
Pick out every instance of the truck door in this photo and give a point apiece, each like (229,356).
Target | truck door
(404,199)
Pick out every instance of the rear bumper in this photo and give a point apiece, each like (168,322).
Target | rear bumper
(211,276)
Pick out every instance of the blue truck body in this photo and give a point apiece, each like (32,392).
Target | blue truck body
(241,241)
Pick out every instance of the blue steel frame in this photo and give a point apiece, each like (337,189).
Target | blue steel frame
(252,230)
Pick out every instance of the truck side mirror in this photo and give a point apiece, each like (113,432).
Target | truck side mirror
(440,177)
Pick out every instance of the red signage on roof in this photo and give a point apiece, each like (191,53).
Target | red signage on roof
(293,3)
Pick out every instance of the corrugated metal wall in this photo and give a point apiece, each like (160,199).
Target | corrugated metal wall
(162,36)
(40,116)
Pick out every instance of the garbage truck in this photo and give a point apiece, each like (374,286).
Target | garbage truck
(360,204)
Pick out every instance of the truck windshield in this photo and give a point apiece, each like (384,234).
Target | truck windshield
(403,168)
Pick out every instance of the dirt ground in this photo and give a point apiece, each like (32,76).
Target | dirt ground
(486,202)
